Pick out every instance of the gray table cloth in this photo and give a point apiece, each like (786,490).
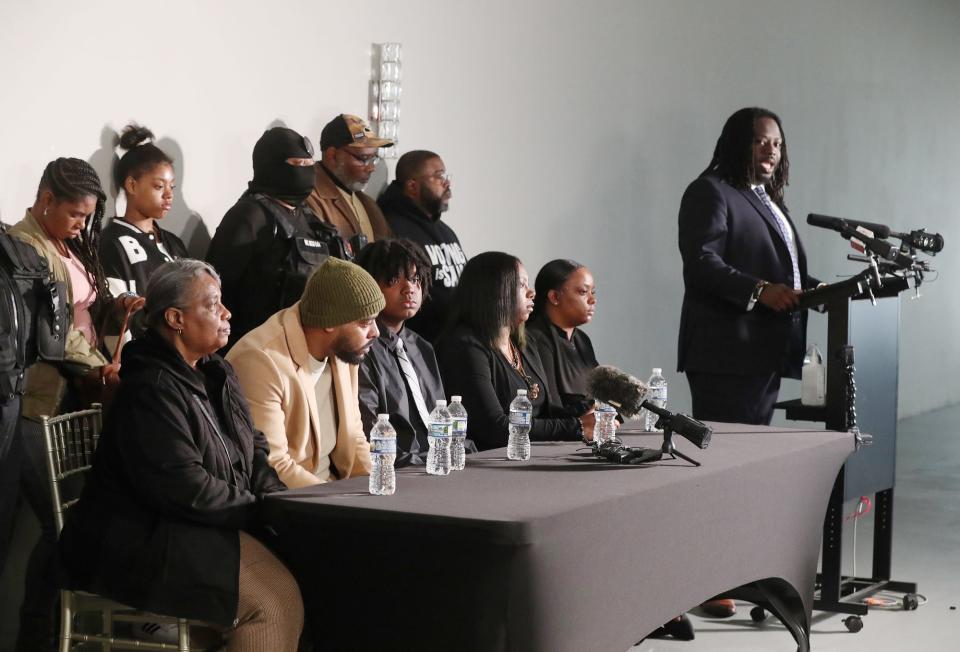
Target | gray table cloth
(564,552)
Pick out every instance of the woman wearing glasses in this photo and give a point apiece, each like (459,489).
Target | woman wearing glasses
(484,357)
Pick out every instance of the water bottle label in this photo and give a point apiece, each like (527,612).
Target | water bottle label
(519,418)
(384,446)
(459,427)
(441,430)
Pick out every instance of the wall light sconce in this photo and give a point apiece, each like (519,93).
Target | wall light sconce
(385,90)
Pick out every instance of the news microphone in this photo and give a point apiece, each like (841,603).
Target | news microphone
(839,224)
(621,390)
(931,243)
(697,432)
(876,244)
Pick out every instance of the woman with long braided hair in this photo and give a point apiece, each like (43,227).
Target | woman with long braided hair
(63,225)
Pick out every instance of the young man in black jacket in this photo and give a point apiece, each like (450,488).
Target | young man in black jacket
(412,205)
(400,376)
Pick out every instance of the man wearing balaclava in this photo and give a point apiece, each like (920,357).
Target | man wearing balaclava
(268,242)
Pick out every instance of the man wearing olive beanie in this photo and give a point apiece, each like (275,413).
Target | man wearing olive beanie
(299,373)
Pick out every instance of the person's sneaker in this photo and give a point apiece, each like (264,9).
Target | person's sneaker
(722,608)
(157,632)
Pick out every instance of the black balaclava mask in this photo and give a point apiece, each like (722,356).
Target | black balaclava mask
(272,175)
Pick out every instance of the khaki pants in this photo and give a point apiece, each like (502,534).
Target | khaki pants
(270,612)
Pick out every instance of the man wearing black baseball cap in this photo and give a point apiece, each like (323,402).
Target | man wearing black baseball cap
(348,156)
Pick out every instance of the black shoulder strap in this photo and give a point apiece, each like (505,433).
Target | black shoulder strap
(282,222)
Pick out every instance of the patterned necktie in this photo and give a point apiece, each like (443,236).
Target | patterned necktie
(413,382)
(785,233)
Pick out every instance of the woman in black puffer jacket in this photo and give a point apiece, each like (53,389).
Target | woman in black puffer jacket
(165,520)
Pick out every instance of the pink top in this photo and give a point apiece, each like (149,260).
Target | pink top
(83,297)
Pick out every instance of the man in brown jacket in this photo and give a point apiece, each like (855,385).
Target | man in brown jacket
(299,373)
(348,151)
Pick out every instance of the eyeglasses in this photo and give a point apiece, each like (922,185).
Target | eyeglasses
(442,177)
(364,161)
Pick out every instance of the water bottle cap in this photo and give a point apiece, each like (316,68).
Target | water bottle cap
(441,403)
(521,392)
(383,417)
(456,399)
(657,371)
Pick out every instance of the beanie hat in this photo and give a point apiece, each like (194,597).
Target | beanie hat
(339,292)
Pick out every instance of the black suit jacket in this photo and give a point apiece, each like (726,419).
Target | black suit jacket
(384,390)
(728,242)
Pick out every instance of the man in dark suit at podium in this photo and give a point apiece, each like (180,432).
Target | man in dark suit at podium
(744,268)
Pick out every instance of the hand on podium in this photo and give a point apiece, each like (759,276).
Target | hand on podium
(779,297)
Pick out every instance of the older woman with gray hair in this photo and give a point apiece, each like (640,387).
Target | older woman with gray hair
(167,518)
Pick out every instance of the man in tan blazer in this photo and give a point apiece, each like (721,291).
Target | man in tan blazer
(348,156)
(298,371)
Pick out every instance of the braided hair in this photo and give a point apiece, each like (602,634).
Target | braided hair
(733,155)
(73,179)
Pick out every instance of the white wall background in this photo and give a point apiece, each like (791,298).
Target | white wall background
(571,128)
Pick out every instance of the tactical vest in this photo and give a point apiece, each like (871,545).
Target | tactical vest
(294,255)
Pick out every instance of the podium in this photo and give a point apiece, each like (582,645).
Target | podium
(863,331)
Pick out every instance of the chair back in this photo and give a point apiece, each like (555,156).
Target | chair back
(71,440)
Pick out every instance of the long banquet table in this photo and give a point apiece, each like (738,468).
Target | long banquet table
(564,552)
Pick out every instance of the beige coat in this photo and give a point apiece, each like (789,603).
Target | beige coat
(328,204)
(271,362)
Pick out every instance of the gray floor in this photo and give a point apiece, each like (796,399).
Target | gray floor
(926,550)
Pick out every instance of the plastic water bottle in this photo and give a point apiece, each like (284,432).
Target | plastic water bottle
(521,414)
(657,395)
(383,453)
(458,456)
(605,428)
(439,436)
(813,378)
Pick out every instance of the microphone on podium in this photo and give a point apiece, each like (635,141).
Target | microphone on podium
(839,224)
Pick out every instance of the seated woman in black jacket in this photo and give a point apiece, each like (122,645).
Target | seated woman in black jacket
(566,297)
(176,484)
(484,357)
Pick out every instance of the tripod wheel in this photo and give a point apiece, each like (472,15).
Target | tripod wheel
(758,615)
(853,623)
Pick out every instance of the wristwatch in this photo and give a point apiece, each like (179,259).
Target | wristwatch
(758,290)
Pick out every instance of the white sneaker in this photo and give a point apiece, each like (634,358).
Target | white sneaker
(157,632)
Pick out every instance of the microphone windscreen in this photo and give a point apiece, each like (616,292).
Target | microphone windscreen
(623,391)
